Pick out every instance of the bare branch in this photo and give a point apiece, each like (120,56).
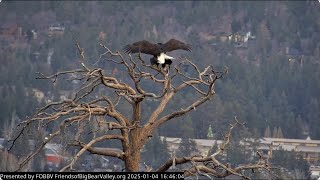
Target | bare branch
(55,76)
(227,137)
(81,52)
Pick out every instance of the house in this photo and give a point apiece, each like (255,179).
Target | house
(309,149)
(56,29)
(224,38)
(54,156)
(315,172)
(65,94)
(203,145)
(294,55)
(293,52)
(9,29)
(2,142)
(102,36)
(34,34)
(207,36)
(38,94)
(240,39)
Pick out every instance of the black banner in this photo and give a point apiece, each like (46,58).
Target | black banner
(89,175)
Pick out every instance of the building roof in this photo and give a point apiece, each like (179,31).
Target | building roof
(308,149)
(9,25)
(200,142)
(298,145)
(293,52)
(275,141)
(207,142)
(55,148)
(283,140)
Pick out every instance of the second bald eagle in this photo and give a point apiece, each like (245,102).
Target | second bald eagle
(158,50)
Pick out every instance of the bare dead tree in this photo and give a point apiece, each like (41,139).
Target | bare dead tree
(85,109)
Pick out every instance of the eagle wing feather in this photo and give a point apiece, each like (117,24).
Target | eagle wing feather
(174,44)
(143,47)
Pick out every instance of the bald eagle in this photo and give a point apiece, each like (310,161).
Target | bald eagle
(158,50)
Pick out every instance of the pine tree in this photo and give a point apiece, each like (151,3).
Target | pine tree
(279,132)
(187,147)
(187,127)
(267,132)
(313,117)
(213,148)
(274,132)
(210,134)
(155,152)
(235,153)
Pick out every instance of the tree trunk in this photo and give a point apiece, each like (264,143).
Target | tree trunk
(133,155)
(132,162)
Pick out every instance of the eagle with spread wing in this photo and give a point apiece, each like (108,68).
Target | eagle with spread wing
(158,50)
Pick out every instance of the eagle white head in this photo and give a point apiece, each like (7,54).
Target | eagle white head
(162,57)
